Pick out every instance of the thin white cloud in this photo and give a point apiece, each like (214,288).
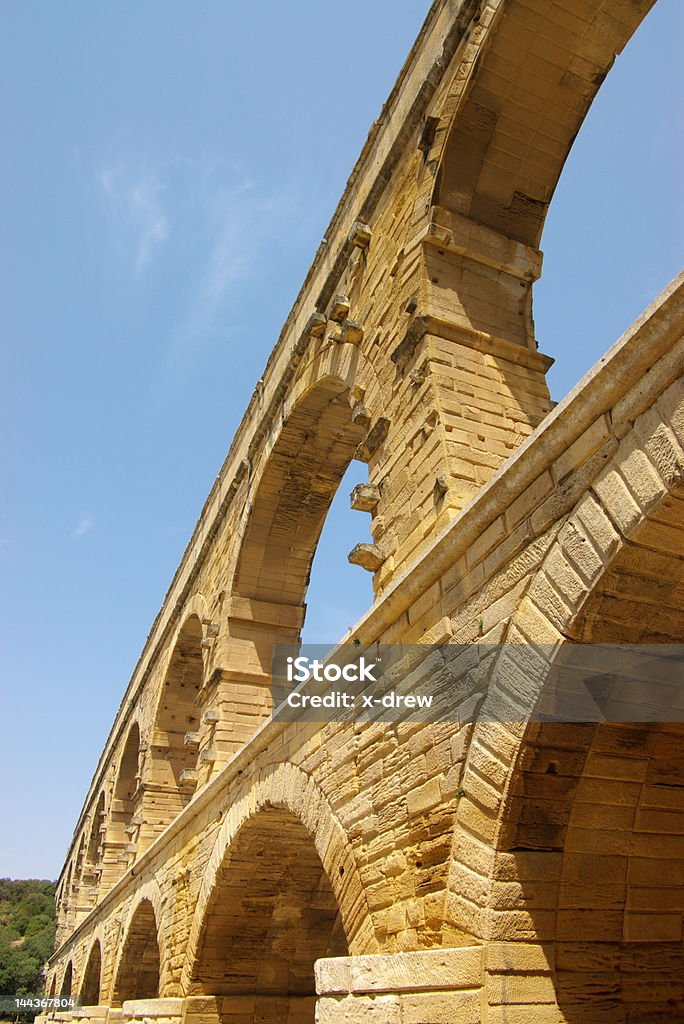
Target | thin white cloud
(135,200)
(224,221)
(241,221)
(85,524)
(229,258)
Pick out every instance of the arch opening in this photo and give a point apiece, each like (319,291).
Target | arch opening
(67,981)
(594,826)
(92,868)
(64,905)
(77,879)
(123,825)
(90,988)
(174,742)
(332,610)
(525,104)
(272,915)
(305,467)
(137,976)
(295,487)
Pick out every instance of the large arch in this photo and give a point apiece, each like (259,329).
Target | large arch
(92,866)
(285,794)
(575,831)
(90,985)
(122,826)
(537,69)
(64,902)
(173,748)
(293,483)
(602,807)
(139,967)
(67,981)
(272,915)
(310,455)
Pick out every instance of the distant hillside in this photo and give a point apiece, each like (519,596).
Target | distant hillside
(27,933)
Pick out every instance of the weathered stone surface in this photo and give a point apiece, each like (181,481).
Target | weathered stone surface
(442,871)
(367,556)
(365,497)
(339,310)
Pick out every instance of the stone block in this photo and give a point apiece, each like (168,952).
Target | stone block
(367,556)
(365,497)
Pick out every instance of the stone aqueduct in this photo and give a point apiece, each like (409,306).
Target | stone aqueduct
(231,868)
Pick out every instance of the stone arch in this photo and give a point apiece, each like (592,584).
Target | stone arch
(77,877)
(528,94)
(570,829)
(123,822)
(80,855)
(92,975)
(344,362)
(52,990)
(65,902)
(169,776)
(284,794)
(67,980)
(315,444)
(92,866)
(138,970)
(272,915)
(66,888)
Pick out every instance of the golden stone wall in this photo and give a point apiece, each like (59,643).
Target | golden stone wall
(231,868)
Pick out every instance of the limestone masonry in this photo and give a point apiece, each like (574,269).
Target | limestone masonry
(231,869)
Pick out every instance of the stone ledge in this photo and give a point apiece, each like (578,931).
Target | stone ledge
(420,971)
(153,1008)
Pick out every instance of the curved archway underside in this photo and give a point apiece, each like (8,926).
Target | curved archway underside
(138,969)
(273,914)
(534,80)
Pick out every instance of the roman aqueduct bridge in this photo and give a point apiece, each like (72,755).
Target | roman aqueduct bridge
(231,868)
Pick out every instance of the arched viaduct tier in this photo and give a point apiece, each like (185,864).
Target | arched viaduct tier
(231,868)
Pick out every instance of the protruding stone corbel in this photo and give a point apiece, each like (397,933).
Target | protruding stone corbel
(364,497)
(339,310)
(191,740)
(375,437)
(352,332)
(210,716)
(208,756)
(361,416)
(316,324)
(188,778)
(368,556)
(441,486)
(360,234)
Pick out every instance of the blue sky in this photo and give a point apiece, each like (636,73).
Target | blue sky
(167,172)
